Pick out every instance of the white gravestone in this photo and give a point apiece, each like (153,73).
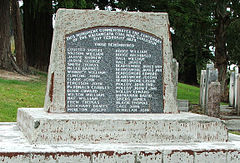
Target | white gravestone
(231,89)
(207,76)
(238,95)
(202,88)
(236,71)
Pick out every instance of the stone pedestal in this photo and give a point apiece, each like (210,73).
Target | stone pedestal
(15,148)
(52,128)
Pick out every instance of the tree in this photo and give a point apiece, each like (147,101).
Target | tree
(192,37)
(37,20)
(226,13)
(18,36)
(5,61)
(190,20)
(233,39)
(76,4)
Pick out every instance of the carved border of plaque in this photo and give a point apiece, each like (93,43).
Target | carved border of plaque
(121,80)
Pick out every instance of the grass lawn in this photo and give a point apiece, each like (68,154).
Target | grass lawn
(188,92)
(235,132)
(17,94)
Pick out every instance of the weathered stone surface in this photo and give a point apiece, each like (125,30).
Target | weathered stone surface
(178,156)
(214,99)
(14,148)
(213,155)
(69,21)
(175,77)
(41,127)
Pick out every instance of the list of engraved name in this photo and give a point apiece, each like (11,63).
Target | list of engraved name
(87,85)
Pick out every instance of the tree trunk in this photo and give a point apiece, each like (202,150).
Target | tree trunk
(5,61)
(188,74)
(38,32)
(221,60)
(18,37)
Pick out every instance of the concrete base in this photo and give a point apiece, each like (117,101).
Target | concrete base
(232,122)
(15,148)
(41,127)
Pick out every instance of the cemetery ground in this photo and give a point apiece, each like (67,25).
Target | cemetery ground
(17,91)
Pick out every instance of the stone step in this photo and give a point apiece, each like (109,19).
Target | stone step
(226,109)
(41,127)
(14,148)
(183,105)
(184,109)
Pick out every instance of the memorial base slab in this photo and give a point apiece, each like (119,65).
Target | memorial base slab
(41,127)
(14,148)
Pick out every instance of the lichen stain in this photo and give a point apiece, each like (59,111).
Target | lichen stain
(13,154)
(169,32)
(190,152)
(108,153)
(145,153)
(213,151)
(86,154)
(51,87)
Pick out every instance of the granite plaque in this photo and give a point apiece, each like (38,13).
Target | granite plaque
(115,70)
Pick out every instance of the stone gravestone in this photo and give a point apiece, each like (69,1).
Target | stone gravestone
(235,102)
(109,71)
(231,89)
(111,68)
(213,103)
(207,76)
(238,96)
(202,88)
(234,89)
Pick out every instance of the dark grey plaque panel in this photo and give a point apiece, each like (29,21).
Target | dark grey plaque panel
(113,69)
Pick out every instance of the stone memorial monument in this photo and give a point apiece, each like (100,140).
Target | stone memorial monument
(113,68)
(111,97)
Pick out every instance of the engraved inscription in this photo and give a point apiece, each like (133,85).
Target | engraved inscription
(113,69)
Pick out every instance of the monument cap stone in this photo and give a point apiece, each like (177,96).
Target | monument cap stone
(104,61)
